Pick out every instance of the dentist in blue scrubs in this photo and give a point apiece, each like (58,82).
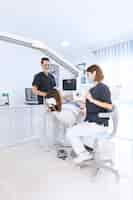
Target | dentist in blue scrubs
(97,100)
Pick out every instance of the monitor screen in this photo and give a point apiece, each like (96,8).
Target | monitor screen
(29,96)
(69,84)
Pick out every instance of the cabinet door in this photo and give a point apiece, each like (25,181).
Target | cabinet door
(21,124)
(38,116)
(5,127)
(43,126)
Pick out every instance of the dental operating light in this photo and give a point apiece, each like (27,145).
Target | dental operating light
(38,45)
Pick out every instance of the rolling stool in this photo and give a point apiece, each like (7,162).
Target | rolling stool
(96,162)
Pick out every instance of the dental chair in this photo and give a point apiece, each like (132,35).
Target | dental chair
(56,124)
(97,163)
(68,117)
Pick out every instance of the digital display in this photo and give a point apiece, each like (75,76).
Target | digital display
(29,96)
(69,84)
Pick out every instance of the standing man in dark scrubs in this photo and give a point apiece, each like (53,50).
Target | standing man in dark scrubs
(43,81)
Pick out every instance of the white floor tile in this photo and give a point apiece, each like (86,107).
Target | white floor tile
(27,172)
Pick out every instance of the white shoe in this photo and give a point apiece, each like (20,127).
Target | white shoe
(83,157)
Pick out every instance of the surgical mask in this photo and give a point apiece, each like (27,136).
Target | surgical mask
(90,84)
(90,79)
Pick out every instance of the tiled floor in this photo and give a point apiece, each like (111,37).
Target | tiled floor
(27,172)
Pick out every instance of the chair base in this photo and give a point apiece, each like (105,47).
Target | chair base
(97,163)
(100,164)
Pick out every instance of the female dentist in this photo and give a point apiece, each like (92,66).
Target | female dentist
(97,100)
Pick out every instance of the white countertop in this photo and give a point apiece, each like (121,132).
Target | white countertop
(21,106)
(28,106)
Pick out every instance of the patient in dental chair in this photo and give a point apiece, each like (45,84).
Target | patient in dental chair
(54,101)
(68,114)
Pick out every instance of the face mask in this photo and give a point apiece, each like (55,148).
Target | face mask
(90,79)
(90,82)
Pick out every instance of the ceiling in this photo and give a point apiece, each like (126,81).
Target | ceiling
(84,24)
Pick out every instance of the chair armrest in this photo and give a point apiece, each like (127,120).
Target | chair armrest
(105,115)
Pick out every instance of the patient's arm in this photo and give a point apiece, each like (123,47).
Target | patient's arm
(83,109)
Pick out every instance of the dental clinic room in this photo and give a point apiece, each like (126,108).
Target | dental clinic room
(66,100)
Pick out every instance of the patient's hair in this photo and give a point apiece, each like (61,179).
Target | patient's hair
(99,73)
(54,93)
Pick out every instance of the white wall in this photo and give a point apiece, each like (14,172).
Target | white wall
(119,72)
(17,68)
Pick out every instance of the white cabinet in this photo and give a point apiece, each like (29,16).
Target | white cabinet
(5,126)
(21,123)
(38,116)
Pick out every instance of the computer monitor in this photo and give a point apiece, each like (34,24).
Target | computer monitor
(4,98)
(29,96)
(69,84)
